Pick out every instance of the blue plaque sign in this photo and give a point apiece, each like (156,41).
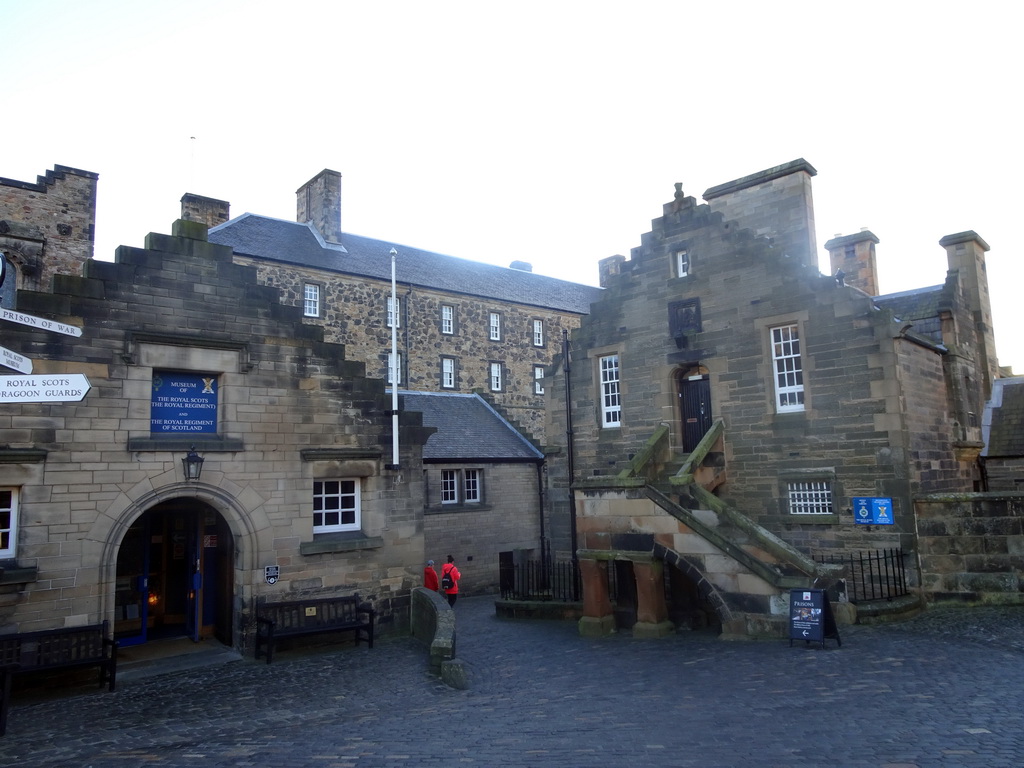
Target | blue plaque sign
(183,403)
(872,511)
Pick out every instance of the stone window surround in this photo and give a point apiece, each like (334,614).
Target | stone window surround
(537,335)
(496,375)
(539,373)
(826,474)
(20,467)
(432,498)
(321,289)
(766,369)
(494,321)
(454,372)
(331,464)
(597,354)
(450,320)
(188,354)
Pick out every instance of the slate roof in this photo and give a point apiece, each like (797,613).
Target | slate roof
(272,239)
(919,306)
(468,429)
(1002,424)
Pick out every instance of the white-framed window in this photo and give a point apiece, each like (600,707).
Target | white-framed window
(682,263)
(538,333)
(447,319)
(449,486)
(611,398)
(311,300)
(538,379)
(447,373)
(394,375)
(462,486)
(787,368)
(495,327)
(394,312)
(495,377)
(471,491)
(810,497)
(8,523)
(336,505)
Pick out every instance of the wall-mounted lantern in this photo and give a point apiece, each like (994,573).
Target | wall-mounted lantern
(193,465)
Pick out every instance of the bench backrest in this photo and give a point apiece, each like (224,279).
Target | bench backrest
(54,647)
(313,612)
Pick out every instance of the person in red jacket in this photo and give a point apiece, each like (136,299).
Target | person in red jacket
(430,576)
(451,573)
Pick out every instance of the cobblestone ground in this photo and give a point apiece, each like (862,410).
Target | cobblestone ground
(944,689)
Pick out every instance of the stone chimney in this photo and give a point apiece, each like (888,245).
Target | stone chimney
(205,210)
(608,268)
(318,202)
(965,254)
(854,256)
(522,266)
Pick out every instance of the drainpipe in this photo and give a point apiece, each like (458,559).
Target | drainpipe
(394,365)
(569,454)
(540,507)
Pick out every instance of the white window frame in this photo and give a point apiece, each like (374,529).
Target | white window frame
(394,371)
(462,486)
(448,373)
(538,379)
(494,327)
(472,486)
(449,486)
(447,319)
(345,499)
(495,377)
(682,263)
(538,333)
(311,300)
(810,497)
(9,527)
(787,368)
(611,391)
(394,317)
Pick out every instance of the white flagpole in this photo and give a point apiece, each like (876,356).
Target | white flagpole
(394,364)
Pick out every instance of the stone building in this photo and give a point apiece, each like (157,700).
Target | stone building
(484,487)
(463,326)
(729,402)
(47,227)
(185,349)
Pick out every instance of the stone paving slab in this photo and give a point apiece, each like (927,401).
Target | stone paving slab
(944,689)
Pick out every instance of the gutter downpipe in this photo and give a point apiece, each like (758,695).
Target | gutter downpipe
(394,364)
(570,459)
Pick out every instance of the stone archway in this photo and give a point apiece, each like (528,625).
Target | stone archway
(112,526)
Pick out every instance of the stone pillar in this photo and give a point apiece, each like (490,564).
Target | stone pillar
(651,611)
(598,618)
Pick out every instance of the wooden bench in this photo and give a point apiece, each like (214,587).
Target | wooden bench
(311,616)
(52,649)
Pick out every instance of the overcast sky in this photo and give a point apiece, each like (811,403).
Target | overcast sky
(550,132)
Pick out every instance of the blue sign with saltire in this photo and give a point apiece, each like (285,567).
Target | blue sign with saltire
(868,510)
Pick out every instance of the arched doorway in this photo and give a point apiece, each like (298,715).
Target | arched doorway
(175,575)
(694,389)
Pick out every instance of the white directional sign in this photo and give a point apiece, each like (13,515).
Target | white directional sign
(15,361)
(39,322)
(44,388)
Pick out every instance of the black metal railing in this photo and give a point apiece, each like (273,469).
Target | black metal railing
(879,575)
(556,581)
